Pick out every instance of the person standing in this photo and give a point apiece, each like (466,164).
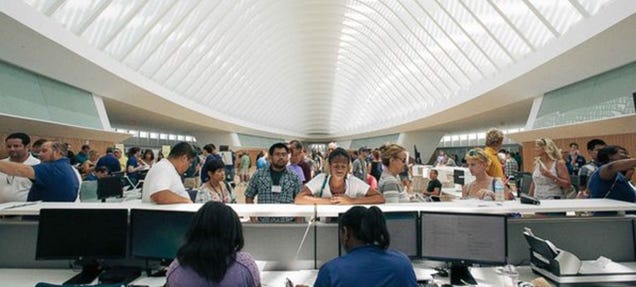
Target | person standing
(210,154)
(275,184)
(550,174)
(16,188)
(574,160)
(215,189)
(163,183)
(494,141)
(612,179)
(338,187)
(395,159)
(54,179)
(246,163)
(593,147)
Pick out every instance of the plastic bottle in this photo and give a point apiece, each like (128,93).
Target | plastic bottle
(499,190)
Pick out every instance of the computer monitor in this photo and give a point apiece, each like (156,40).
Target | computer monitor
(458,176)
(157,234)
(463,239)
(109,186)
(85,235)
(403,228)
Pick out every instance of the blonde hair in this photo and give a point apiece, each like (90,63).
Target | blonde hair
(494,137)
(390,151)
(478,154)
(550,148)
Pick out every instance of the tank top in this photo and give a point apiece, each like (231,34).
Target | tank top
(545,188)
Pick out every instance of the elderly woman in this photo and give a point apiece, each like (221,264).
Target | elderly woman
(394,158)
(550,173)
(215,189)
(338,187)
(484,185)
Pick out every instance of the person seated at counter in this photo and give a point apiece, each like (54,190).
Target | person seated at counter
(338,187)
(395,159)
(434,186)
(211,254)
(369,261)
(612,179)
(215,189)
(484,185)
(163,183)
(97,173)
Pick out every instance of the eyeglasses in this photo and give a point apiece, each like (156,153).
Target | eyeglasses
(472,152)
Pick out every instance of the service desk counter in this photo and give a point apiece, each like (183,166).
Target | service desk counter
(308,245)
(274,210)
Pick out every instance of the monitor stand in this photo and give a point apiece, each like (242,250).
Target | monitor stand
(161,272)
(460,275)
(90,271)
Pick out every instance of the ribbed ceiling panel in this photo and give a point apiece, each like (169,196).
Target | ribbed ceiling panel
(318,67)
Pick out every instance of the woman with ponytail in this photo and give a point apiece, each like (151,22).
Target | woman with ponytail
(211,254)
(369,261)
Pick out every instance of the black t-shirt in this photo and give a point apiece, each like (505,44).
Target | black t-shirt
(433,184)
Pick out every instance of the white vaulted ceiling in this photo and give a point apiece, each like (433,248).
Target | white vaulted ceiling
(318,68)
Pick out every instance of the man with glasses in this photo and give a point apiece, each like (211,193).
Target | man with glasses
(275,184)
(54,179)
(163,184)
(16,188)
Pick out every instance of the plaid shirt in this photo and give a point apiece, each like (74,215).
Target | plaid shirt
(261,184)
(511,167)
(586,172)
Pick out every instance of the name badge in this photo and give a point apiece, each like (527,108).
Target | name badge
(276,189)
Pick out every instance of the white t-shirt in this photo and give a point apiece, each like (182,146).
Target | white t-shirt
(354,186)
(161,176)
(15,188)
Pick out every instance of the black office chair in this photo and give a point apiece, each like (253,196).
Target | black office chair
(523,185)
(110,186)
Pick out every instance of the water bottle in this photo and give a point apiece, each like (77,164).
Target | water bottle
(499,190)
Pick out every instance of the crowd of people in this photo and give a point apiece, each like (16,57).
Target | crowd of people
(286,174)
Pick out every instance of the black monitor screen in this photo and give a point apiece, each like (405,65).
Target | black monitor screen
(464,238)
(110,186)
(458,176)
(82,233)
(157,234)
(403,229)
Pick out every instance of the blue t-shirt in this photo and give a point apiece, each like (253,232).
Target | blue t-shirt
(109,161)
(368,265)
(620,187)
(132,161)
(261,163)
(54,181)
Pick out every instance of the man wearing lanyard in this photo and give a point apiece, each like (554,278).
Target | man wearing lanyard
(275,184)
